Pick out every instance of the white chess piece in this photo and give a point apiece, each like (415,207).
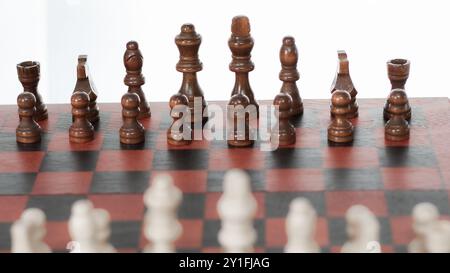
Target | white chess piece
(363,231)
(103,231)
(82,227)
(437,237)
(28,233)
(424,215)
(162,227)
(301,227)
(237,208)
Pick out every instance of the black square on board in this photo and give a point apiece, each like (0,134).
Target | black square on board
(5,236)
(56,207)
(16,183)
(192,206)
(126,234)
(120,182)
(403,202)
(406,157)
(294,158)
(180,160)
(69,161)
(277,203)
(353,179)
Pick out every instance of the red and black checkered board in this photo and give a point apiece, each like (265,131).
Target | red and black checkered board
(389,178)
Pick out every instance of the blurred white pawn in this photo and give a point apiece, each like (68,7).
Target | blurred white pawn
(82,227)
(437,237)
(28,233)
(363,231)
(423,215)
(162,227)
(103,231)
(301,227)
(237,208)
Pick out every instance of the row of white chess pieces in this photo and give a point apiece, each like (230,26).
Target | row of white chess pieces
(89,227)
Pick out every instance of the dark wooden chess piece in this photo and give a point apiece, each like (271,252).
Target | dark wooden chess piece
(283,130)
(81,130)
(134,79)
(241,45)
(28,130)
(238,121)
(397,128)
(188,43)
(175,136)
(289,74)
(85,84)
(398,73)
(343,81)
(29,74)
(132,131)
(340,129)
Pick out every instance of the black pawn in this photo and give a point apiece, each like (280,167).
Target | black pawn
(132,131)
(397,128)
(341,129)
(175,136)
(286,131)
(239,137)
(81,130)
(28,130)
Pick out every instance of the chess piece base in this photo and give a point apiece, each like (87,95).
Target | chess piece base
(132,137)
(81,136)
(240,143)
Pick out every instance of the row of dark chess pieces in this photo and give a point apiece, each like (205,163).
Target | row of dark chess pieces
(135,106)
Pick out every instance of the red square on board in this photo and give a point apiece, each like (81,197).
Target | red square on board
(60,142)
(213,197)
(122,207)
(411,178)
(11,207)
(123,160)
(350,157)
(20,162)
(57,236)
(338,202)
(276,232)
(401,228)
(187,181)
(192,235)
(307,138)
(62,183)
(243,158)
(288,180)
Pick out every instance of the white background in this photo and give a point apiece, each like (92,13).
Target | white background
(54,32)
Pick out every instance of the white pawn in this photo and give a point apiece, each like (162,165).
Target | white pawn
(103,231)
(424,215)
(162,227)
(237,208)
(437,237)
(301,227)
(28,233)
(82,227)
(363,231)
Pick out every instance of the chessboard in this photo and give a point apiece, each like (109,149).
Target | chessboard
(387,177)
